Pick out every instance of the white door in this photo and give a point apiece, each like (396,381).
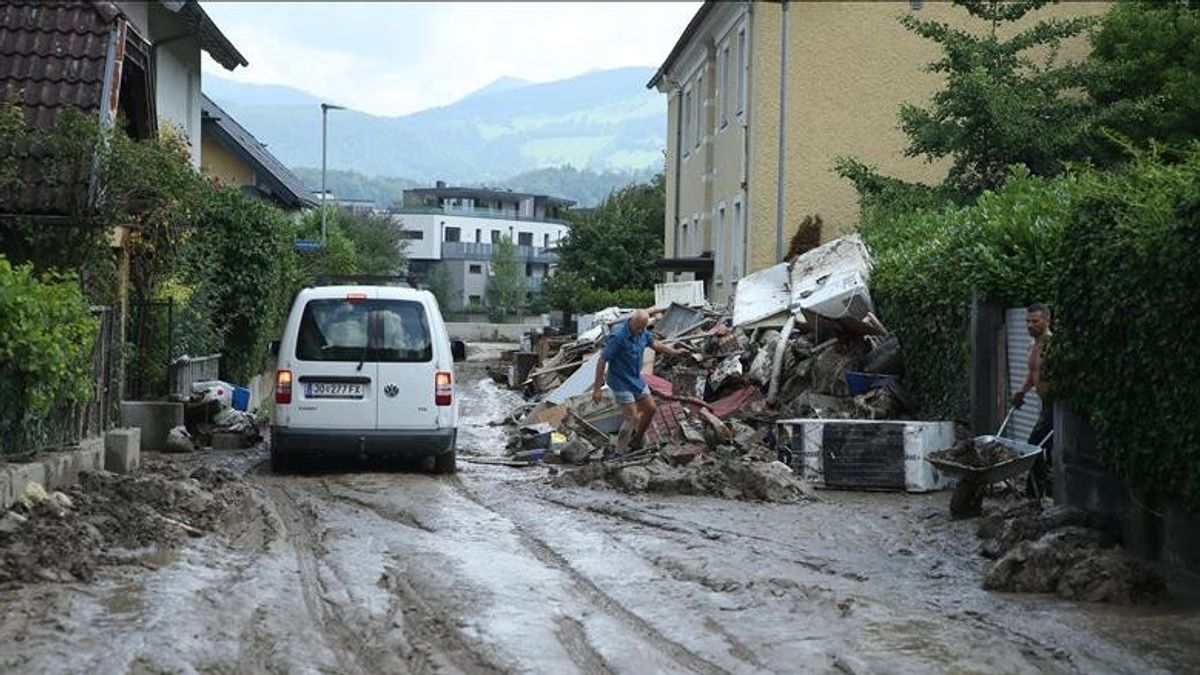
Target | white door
(407,366)
(1019,342)
(333,385)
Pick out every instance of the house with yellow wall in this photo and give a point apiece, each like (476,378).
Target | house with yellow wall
(762,97)
(233,156)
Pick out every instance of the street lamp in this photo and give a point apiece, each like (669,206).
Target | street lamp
(325,108)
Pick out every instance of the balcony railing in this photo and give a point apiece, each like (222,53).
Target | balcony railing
(469,250)
(495,214)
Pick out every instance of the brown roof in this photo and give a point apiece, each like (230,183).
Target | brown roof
(53,55)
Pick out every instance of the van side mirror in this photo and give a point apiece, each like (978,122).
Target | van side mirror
(273,348)
(458,349)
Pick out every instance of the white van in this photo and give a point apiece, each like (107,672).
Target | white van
(365,370)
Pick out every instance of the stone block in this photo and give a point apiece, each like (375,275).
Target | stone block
(14,478)
(226,440)
(123,450)
(154,418)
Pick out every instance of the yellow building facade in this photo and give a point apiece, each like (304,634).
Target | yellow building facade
(738,181)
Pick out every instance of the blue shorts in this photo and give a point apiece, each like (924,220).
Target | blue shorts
(626,397)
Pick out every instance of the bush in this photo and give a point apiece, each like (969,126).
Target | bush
(930,263)
(46,340)
(1125,350)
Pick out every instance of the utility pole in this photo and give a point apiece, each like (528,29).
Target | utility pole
(325,108)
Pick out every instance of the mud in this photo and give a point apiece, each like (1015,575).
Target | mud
(724,475)
(976,454)
(1065,551)
(353,568)
(116,519)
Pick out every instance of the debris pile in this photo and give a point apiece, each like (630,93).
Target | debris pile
(1066,551)
(799,340)
(976,453)
(215,415)
(113,519)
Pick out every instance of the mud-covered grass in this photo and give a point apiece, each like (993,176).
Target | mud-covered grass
(110,519)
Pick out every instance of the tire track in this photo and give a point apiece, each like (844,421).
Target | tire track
(574,639)
(347,642)
(589,590)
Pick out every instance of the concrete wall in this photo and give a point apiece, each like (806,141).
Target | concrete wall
(1152,528)
(177,83)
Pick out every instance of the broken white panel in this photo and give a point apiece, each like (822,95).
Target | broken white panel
(579,382)
(590,327)
(841,295)
(687,293)
(842,256)
(762,294)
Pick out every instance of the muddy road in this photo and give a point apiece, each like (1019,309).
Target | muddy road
(364,569)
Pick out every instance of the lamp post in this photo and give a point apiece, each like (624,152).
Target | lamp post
(325,108)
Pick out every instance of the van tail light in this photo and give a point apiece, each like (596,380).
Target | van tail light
(443,390)
(283,386)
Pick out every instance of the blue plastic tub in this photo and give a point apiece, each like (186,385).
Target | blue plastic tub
(861,383)
(241,398)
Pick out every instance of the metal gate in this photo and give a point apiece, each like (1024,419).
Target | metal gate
(1019,341)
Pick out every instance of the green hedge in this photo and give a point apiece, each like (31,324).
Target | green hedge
(1128,328)
(1115,254)
(931,262)
(46,340)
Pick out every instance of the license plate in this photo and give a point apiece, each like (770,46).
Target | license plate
(333,390)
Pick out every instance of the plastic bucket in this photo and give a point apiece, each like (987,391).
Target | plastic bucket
(861,383)
(241,398)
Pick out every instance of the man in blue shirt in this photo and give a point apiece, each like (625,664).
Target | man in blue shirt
(620,366)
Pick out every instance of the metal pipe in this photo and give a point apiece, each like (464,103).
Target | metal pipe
(782,133)
(777,364)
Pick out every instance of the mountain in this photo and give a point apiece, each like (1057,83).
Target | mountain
(502,84)
(229,92)
(585,187)
(600,121)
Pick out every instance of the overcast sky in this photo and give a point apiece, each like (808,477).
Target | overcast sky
(397,58)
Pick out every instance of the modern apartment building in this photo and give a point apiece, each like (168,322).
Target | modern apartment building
(458,226)
(762,99)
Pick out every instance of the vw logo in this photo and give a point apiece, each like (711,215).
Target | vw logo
(391,390)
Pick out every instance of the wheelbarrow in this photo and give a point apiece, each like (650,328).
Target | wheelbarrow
(968,493)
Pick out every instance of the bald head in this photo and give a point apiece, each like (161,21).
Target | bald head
(638,321)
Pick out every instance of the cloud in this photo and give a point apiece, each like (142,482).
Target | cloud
(397,58)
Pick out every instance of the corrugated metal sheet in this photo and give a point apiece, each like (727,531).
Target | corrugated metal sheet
(1019,341)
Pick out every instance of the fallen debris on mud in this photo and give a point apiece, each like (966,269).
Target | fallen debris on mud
(724,473)
(1065,551)
(976,453)
(114,519)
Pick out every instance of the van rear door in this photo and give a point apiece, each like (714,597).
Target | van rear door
(333,374)
(407,365)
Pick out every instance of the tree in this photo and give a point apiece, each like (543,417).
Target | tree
(1000,106)
(377,240)
(506,288)
(611,247)
(441,284)
(1145,70)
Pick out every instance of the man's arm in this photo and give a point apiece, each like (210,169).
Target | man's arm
(1031,378)
(666,349)
(598,384)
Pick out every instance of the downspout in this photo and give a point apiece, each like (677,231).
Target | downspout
(783,32)
(678,162)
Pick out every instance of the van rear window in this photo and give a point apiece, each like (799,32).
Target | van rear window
(389,331)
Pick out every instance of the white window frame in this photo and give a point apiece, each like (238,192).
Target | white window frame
(723,75)
(719,240)
(743,71)
(738,247)
(686,102)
